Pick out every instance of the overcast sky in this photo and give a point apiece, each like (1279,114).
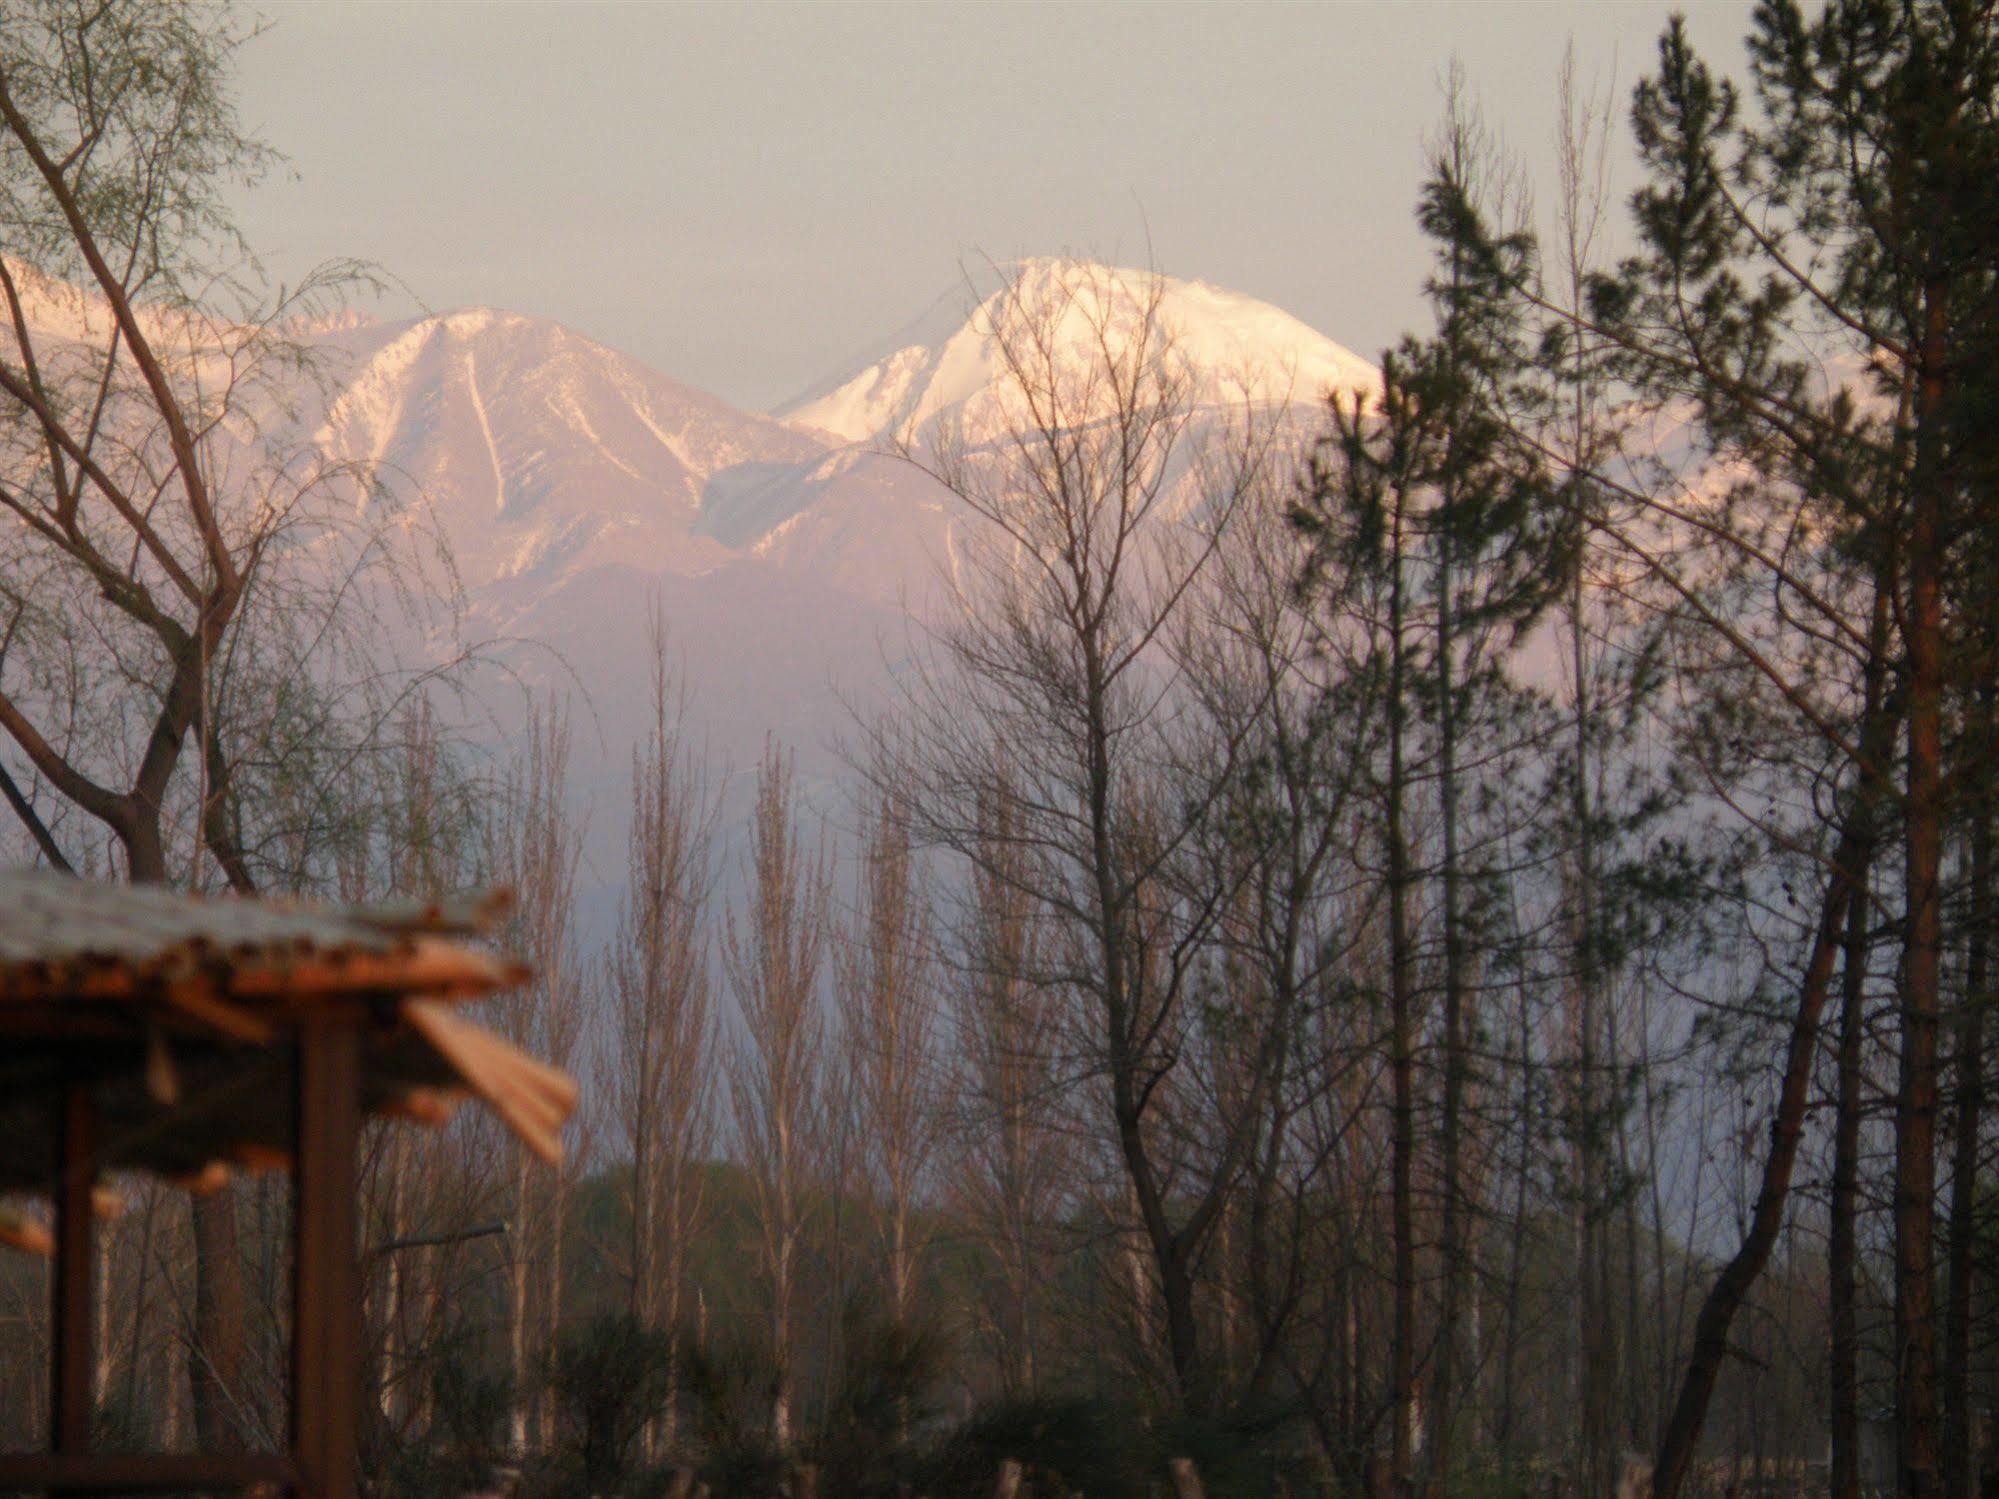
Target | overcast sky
(744,195)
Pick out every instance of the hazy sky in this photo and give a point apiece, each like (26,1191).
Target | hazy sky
(744,195)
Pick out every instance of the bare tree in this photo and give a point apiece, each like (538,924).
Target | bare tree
(1011,1120)
(663,1046)
(773,954)
(888,1015)
(1047,707)
(167,513)
(537,847)
(1275,678)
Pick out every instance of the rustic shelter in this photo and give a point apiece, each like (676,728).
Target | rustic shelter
(144,1030)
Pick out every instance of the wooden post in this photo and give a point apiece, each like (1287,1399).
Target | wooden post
(326,1332)
(71,1353)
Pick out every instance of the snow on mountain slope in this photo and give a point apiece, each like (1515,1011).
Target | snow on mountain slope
(542,453)
(539,451)
(882,528)
(579,491)
(946,366)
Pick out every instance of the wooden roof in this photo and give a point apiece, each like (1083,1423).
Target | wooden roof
(63,938)
(179,1009)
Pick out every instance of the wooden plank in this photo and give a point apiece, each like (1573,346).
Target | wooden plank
(418,965)
(198,1002)
(530,1096)
(126,1472)
(64,939)
(73,1348)
(464,913)
(326,1315)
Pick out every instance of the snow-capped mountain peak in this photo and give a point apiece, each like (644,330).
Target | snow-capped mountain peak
(580,491)
(541,450)
(948,364)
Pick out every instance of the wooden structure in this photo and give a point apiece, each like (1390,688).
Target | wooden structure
(141,1030)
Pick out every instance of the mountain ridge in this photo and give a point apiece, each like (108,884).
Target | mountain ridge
(946,366)
(582,493)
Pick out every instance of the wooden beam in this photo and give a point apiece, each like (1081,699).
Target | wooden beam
(534,1099)
(416,965)
(326,1309)
(421,965)
(127,1472)
(73,1347)
(200,1003)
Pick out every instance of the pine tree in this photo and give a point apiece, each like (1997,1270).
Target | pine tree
(1845,221)
(1434,524)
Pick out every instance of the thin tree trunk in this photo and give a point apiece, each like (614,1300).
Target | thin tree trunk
(1917,1444)
(669,1420)
(1451,1236)
(1732,1285)
(517,1311)
(1960,1468)
(1401,1058)
(780,1343)
(1516,1257)
(135,1342)
(1596,1353)
(558,1207)
(1842,1251)
(215,1361)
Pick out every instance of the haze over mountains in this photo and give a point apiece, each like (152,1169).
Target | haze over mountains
(579,491)
(546,454)
(577,487)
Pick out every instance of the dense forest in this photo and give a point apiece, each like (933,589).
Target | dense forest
(1437,943)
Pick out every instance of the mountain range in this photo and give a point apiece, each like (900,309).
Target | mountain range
(580,491)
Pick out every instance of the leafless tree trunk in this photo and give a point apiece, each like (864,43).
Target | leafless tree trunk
(538,846)
(1842,1257)
(1049,692)
(888,1011)
(1961,1477)
(1923,629)
(660,1064)
(1582,137)
(1401,1033)
(773,953)
(1273,679)
(1011,1119)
